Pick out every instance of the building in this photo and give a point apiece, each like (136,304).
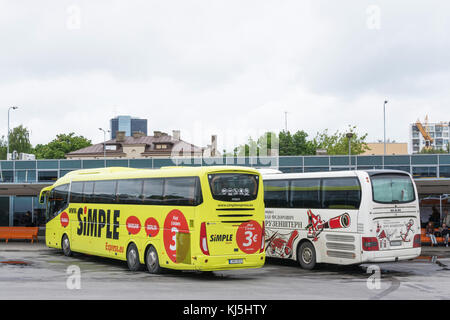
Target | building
(438,132)
(128,125)
(22,180)
(140,146)
(392,148)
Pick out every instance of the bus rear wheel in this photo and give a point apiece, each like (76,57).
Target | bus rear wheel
(65,244)
(133,258)
(306,255)
(152,261)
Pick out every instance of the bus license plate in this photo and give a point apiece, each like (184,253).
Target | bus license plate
(396,243)
(236,261)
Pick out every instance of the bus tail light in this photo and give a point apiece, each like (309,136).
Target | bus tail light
(263,240)
(416,242)
(204,239)
(370,244)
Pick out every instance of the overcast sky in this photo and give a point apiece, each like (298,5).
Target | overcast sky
(230,68)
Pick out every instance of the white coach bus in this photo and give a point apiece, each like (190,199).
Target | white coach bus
(341,217)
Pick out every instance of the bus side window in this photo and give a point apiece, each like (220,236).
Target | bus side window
(153,191)
(129,191)
(76,192)
(88,191)
(104,191)
(180,191)
(58,200)
(305,193)
(341,193)
(276,193)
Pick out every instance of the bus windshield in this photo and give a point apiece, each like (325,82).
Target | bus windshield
(233,186)
(392,188)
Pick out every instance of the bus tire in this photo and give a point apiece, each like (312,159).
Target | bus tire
(152,261)
(65,246)
(306,255)
(133,258)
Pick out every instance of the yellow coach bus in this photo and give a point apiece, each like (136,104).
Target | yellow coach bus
(187,218)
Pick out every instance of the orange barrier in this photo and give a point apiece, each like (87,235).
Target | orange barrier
(426,240)
(8,233)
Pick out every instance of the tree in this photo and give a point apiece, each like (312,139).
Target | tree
(19,140)
(59,147)
(432,151)
(260,147)
(296,144)
(337,143)
(3,148)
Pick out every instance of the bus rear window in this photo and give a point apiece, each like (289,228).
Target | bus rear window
(392,188)
(234,186)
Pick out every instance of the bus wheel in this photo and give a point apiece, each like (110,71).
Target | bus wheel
(152,261)
(306,255)
(65,244)
(133,258)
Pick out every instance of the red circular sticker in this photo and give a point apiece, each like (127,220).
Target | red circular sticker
(248,236)
(151,227)
(133,225)
(64,219)
(175,223)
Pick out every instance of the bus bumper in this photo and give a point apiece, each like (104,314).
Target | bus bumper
(391,255)
(216,263)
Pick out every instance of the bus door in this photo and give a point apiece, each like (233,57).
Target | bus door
(395,212)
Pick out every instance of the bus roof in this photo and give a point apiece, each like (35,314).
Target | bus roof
(330,174)
(134,173)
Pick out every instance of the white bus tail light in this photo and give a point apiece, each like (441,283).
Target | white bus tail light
(370,244)
(263,240)
(416,242)
(204,239)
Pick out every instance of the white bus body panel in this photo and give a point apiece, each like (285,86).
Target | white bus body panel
(337,233)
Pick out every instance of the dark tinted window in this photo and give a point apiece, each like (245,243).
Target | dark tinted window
(58,200)
(305,193)
(234,186)
(76,192)
(88,191)
(341,193)
(182,191)
(104,191)
(153,191)
(129,191)
(276,193)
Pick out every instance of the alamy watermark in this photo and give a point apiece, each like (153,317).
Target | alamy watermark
(73,281)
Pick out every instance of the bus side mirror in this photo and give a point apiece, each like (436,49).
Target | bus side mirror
(42,198)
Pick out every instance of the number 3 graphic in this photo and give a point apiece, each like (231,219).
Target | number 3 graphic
(248,237)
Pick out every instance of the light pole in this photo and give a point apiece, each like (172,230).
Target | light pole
(384,116)
(349,137)
(104,144)
(7,148)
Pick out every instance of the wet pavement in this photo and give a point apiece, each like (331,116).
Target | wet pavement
(33,271)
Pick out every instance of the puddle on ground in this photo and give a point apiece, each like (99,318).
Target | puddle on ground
(15,263)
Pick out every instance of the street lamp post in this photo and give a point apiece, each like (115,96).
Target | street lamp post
(104,144)
(7,148)
(384,117)
(349,137)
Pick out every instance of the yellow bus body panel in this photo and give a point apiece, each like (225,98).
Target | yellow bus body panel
(146,225)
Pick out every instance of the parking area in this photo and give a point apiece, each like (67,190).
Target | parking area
(33,271)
